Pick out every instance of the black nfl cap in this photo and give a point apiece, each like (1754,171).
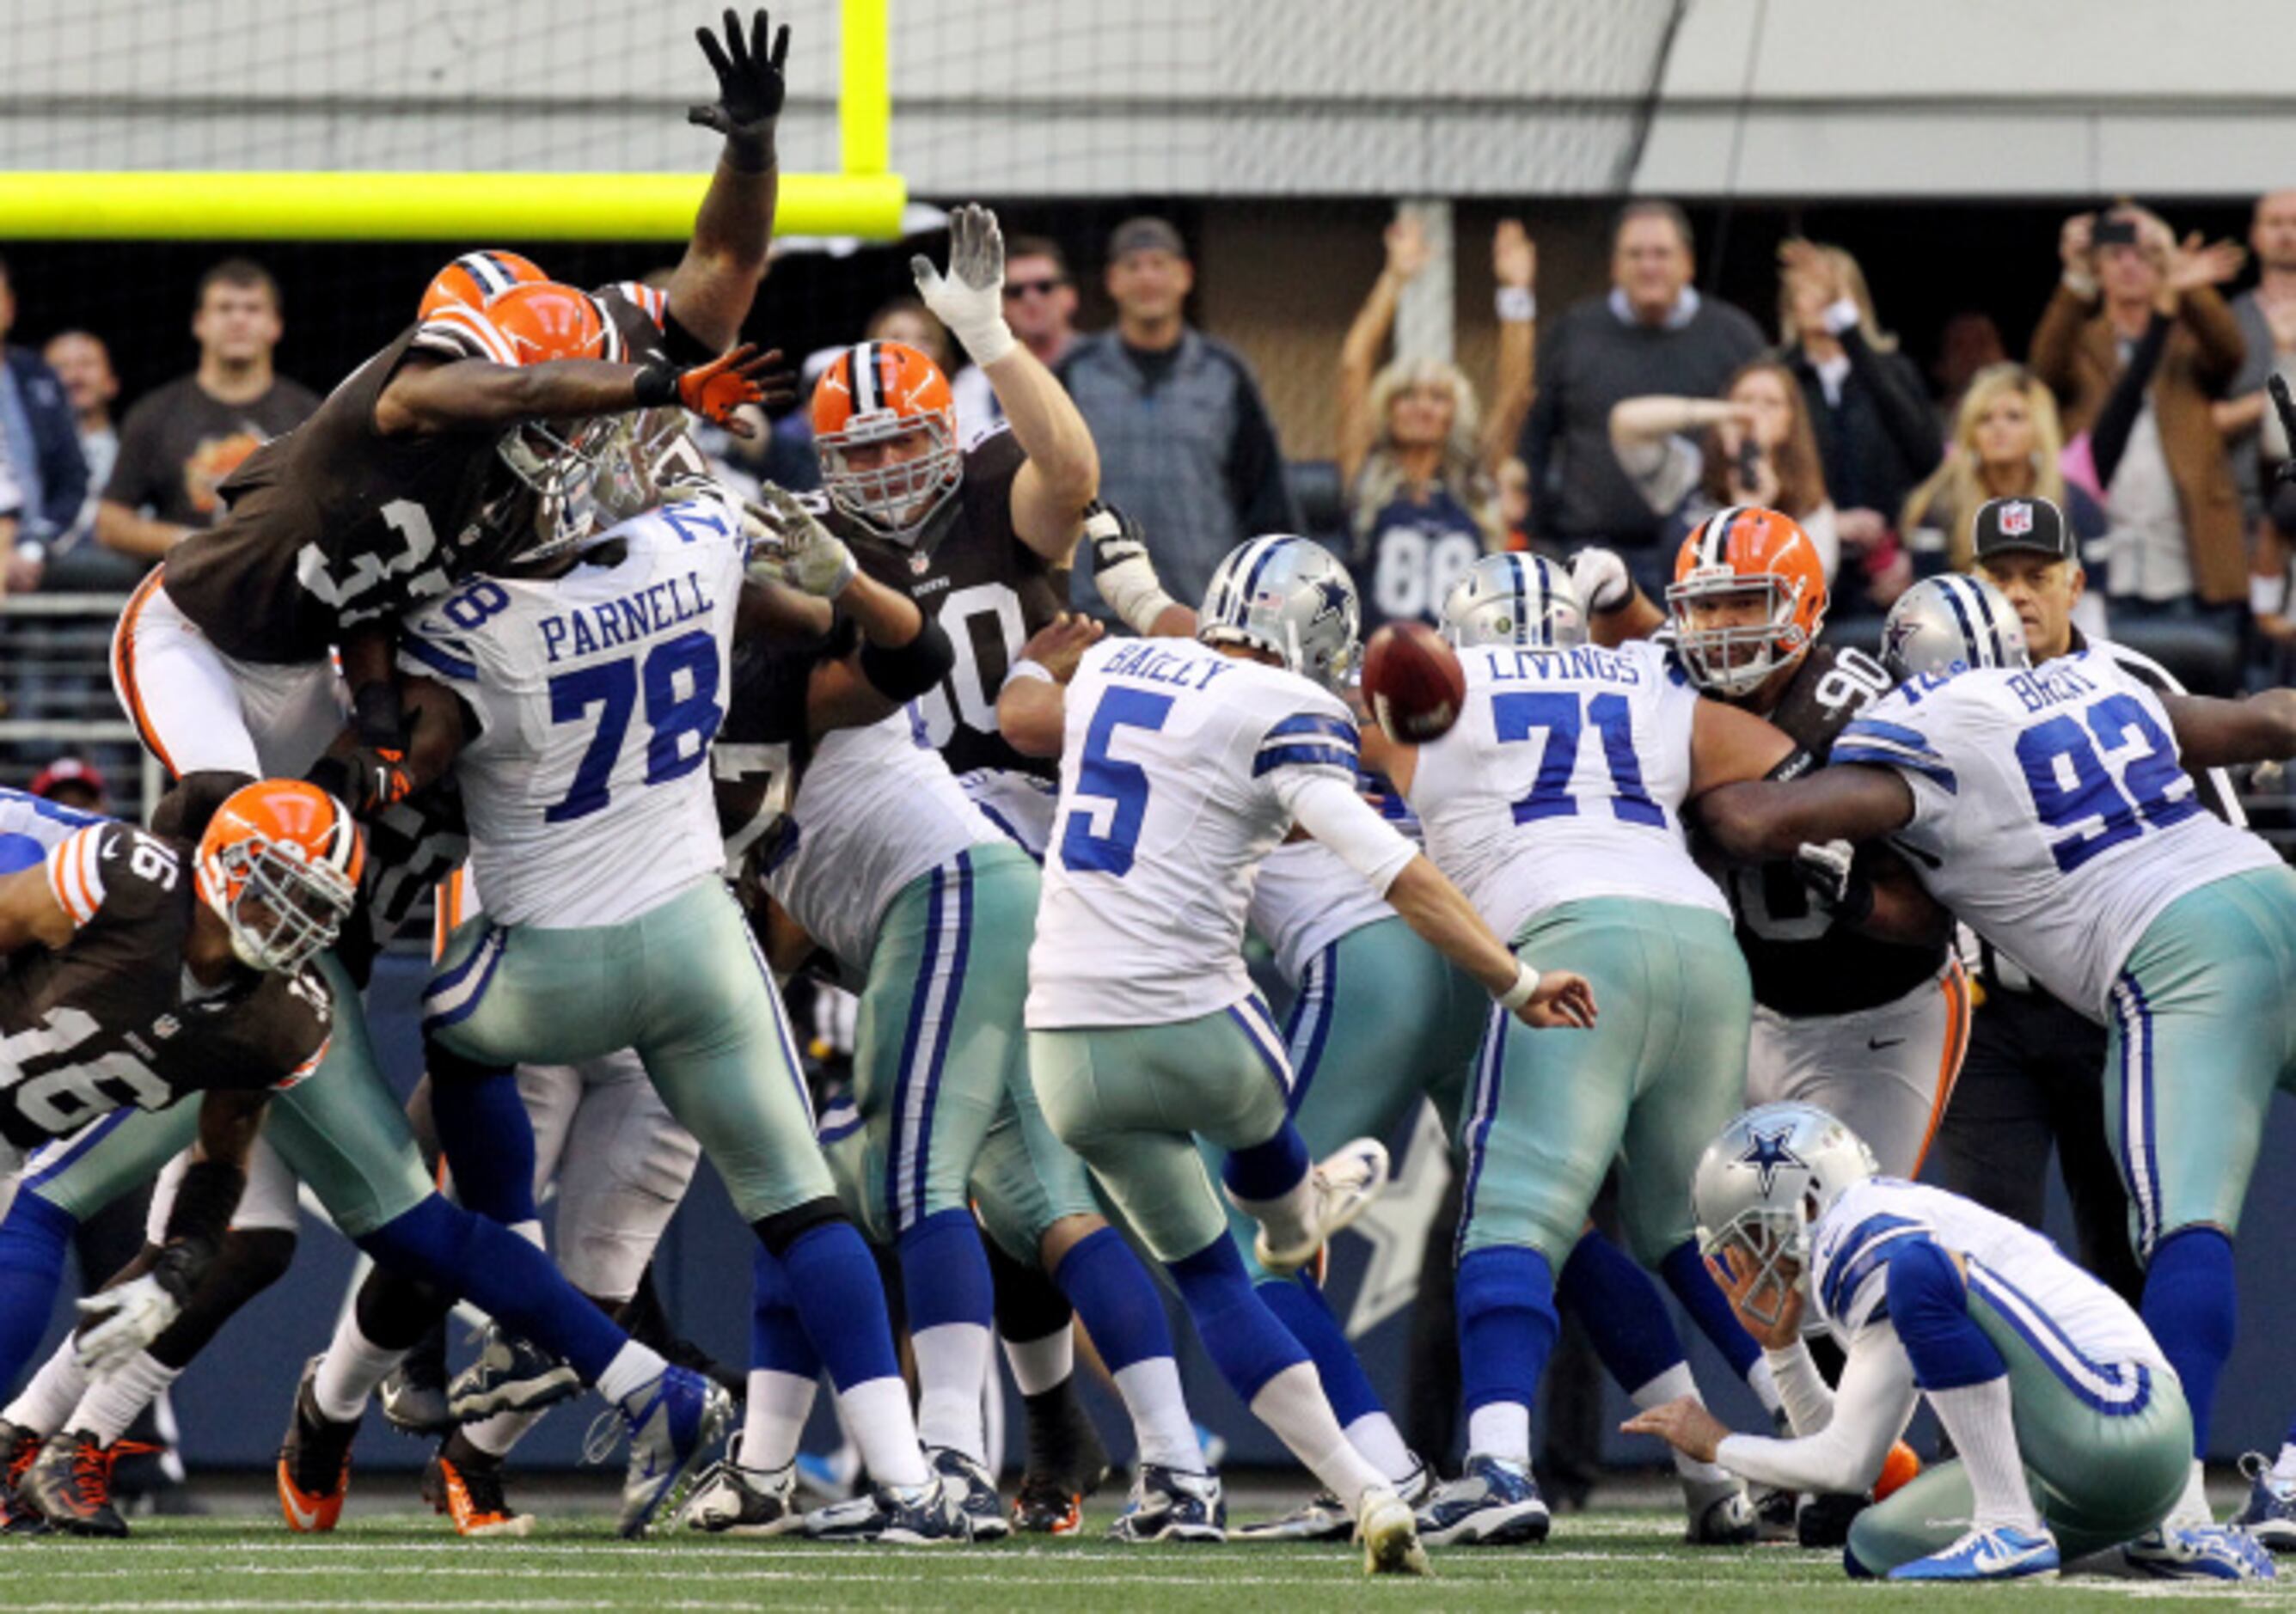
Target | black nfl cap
(2031,524)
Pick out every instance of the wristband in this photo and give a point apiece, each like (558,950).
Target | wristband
(1024,669)
(2267,595)
(1525,988)
(1516,304)
(987,343)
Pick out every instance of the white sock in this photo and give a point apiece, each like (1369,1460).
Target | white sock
(1293,1406)
(531,1231)
(952,1367)
(1672,1385)
(1160,1425)
(2283,1468)
(349,1373)
(773,1418)
(497,1435)
(1041,1364)
(1500,1429)
(1375,1435)
(1977,1416)
(55,1390)
(634,1367)
(877,1412)
(1291,1219)
(1765,1386)
(2192,1510)
(113,1401)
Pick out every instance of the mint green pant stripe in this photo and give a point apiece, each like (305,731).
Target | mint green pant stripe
(1133,1099)
(684,986)
(2203,1031)
(1662,1071)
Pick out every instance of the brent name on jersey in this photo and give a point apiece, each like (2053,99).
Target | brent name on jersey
(2050,684)
(626,620)
(1543,665)
(1162,666)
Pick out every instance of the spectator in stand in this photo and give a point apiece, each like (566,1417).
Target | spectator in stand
(1040,305)
(2175,546)
(2261,446)
(1969,342)
(1652,334)
(1186,446)
(179,443)
(1876,437)
(72,782)
(1422,476)
(75,560)
(39,453)
(1688,457)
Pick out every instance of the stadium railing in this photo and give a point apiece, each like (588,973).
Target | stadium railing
(56,696)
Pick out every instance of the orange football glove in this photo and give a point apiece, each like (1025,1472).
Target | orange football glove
(716,389)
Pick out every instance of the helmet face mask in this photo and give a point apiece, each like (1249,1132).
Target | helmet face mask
(903,486)
(279,865)
(1289,597)
(561,463)
(1735,658)
(1522,601)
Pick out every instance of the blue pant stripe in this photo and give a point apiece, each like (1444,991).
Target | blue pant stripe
(1478,1121)
(45,1165)
(2139,1163)
(2119,1389)
(912,1041)
(952,992)
(1311,1021)
(1264,1044)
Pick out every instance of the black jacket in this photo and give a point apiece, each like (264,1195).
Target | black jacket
(62,472)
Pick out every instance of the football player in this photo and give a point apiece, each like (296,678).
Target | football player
(2069,1427)
(1556,801)
(2050,809)
(1183,764)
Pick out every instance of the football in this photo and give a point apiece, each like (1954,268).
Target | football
(1413,682)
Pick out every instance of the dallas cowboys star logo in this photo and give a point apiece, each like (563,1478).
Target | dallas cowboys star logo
(1331,600)
(1769,1155)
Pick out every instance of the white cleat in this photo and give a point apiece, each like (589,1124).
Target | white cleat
(1346,1183)
(1389,1535)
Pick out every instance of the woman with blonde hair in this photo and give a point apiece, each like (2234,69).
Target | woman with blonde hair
(1421,467)
(2007,443)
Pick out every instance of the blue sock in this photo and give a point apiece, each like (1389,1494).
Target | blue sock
(1300,1307)
(2192,1307)
(1929,1307)
(502,1275)
(1269,1170)
(1619,1307)
(1116,1298)
(1242,1337)
(944,1273)
(1505,1298)
(1684,1272)
(777,1340)
(484,1133)
(842,1303)
(32,1244)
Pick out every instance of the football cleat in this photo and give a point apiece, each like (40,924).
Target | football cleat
(1046,1507)
(413,1394)
(314,1462)
(974,1490)
(1389,1535)
(467,1486)
(1346,1183)
(1720,1514)
(670,1422)
(1492,1503)
(730,1500)
(925,1515)
(510,1376)
(2004,1553)
(1066,1463)
(1823,1520)
(1168,1504)
(2200,1552)
(70,1485)
(2270,1515)
(19,1448)
(1324,1517)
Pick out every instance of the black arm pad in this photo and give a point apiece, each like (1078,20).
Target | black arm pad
(914,669)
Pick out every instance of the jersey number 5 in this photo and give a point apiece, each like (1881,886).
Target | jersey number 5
(682,723)
(1124,785)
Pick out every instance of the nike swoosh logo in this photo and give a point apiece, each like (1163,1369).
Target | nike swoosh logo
(302,1517)
(1879,1043)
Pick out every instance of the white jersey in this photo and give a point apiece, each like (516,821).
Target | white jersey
(1563,779)
(596,695)
(876,808)
(2051,812)
(1308,899)
(1177,776)
(2068,1315)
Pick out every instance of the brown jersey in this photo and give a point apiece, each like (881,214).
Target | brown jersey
(990,591)
(113,1019)
(1802,961)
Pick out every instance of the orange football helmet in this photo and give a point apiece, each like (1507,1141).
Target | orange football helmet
(560,460)
(542,319)
(873,396)
(280,865)
(1738,551)
(476,279)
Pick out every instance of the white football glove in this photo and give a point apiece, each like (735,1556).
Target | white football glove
(789,545)
(1121,569)
(970,299)
(1601,578)
(121,1322)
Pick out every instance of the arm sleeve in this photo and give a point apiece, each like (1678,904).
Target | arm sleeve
(1874,1399)
(1347,825)
(1255,465)
(1905,413)
(1808,1399)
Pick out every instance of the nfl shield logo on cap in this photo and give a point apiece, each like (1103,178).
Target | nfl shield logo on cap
(2023,524)
(2016,518)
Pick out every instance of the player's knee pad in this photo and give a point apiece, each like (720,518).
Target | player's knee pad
(183,813)
(785,1228)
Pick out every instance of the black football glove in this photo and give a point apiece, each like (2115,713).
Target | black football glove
(750,88)
(366,779)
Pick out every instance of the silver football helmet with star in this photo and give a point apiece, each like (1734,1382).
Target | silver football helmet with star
(1765,1182)
(1946,623)
(1290,597)
(1523,601)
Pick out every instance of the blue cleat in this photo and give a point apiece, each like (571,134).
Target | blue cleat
(1492,1503)
(1167,1504)
(2270,1515)
(2004,1553)
(2200,1552)
(672,1422)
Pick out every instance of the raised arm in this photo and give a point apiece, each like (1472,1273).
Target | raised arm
(434,395)
(712,288)
(1366,339)
(1514,265)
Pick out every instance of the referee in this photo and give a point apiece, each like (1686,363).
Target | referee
(2034,1076)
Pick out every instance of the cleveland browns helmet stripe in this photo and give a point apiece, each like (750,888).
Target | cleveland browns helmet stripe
(1741,551)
